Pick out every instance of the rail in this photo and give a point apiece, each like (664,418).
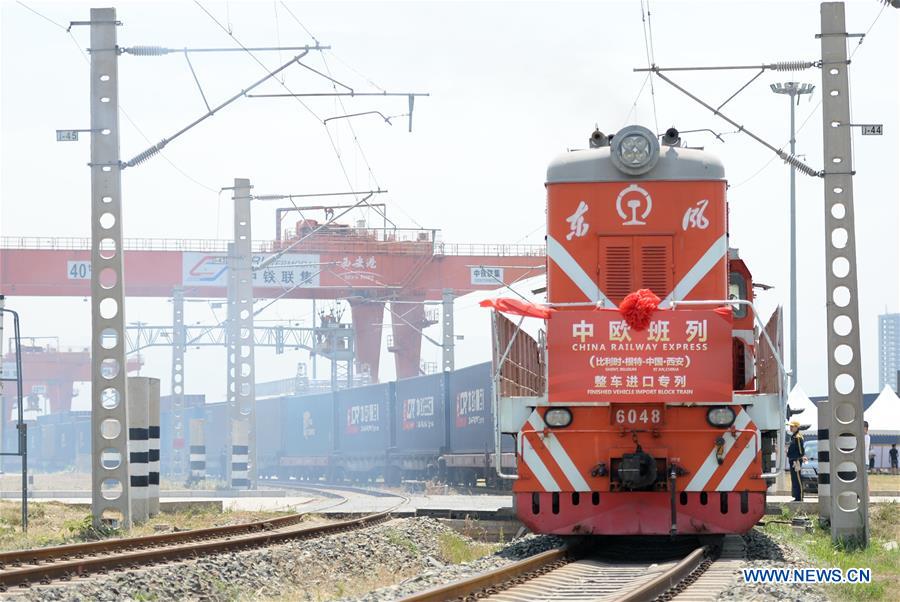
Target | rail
(531,569)
(45,564)
(469,588)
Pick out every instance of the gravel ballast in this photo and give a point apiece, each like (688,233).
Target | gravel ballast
(348,565)
(764,552)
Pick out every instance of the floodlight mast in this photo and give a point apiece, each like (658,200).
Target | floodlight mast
(793,90)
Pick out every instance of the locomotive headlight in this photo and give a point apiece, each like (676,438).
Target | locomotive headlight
(722,417)
(558,417)
(635,150)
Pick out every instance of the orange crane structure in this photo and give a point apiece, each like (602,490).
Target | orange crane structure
(370,268)
(52,371)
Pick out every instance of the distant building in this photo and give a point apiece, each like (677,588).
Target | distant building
(889,350)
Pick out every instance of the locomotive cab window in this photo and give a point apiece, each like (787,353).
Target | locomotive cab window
(737,289)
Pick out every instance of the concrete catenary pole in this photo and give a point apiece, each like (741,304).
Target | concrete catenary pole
(449,338)
(847,464)
(110,483)
(179,344)
(241,367)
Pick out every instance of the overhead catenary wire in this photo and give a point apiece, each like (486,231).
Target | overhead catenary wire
(122,110)
(637,99)
(41,15)
(818,104)
(290,92)
(650,57)
(340,102)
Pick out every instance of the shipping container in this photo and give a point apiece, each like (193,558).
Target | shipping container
(308,425)
(307,436)
(269,425)
(188,401)
(364,419)
(472,421)
(217,431)
(63,442)
(420,421)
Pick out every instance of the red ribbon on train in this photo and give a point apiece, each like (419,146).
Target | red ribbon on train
(518,307)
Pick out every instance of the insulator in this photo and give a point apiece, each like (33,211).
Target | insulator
(147,50)
(792,65)
(137,160)
(798,164)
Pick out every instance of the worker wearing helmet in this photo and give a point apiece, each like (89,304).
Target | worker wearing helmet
(796,457)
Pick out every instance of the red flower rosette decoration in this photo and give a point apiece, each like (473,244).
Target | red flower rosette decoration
(638,307)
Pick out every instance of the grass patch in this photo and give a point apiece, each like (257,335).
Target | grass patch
(455,549)
(884,482)
(884,526)
(54,523)
(400,540)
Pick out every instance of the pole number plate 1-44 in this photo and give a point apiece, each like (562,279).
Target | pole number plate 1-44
(872,129)
(637,415)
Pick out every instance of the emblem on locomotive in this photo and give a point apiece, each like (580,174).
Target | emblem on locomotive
(635,198)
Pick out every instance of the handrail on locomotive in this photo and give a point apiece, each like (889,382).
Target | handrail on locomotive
(784,373)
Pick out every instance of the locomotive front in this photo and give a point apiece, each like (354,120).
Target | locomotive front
(639,432)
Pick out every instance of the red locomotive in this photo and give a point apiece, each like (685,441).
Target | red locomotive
(659,408)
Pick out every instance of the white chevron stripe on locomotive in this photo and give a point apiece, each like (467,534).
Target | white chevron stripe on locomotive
(710,464)
(559,454)
(707,262)
(536,465)
(740,466)
(576,274)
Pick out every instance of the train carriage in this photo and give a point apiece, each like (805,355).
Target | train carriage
(307,436)
(652,421)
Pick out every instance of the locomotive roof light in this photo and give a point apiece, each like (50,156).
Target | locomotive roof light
(721,417)
(558,417)
(634,150)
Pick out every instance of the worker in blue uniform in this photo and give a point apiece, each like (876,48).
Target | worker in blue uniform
(796,457)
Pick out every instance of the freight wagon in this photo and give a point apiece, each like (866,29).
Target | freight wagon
(434,426)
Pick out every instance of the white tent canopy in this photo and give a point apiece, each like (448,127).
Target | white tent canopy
(884,414)
(798,400)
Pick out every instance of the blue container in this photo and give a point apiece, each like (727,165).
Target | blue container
(189,401)
(268,435)
(217,431)
(364,419)
(421,416)
(471,413)
(307,426)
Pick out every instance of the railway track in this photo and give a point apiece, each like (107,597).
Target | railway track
(582,573)
(45,565)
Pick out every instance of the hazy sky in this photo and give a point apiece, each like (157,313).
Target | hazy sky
(512,85)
